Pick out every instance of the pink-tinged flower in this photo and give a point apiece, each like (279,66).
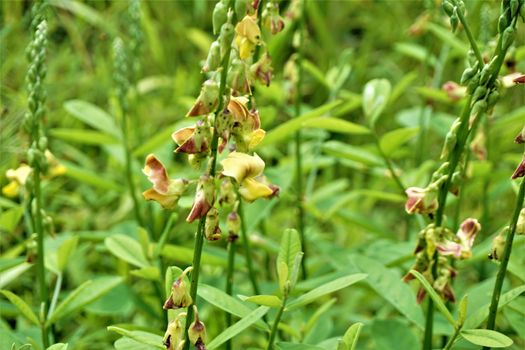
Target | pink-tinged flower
(512,79)
(247,171)
(272,19)
(207,100)
(165,191)
(420,200)
(262,69)
(204,198)
(180,293)
(520,170)
(192,140)
(461,247)
(520,79)
(520,138)
(454,91)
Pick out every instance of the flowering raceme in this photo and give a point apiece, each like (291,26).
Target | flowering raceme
(247,171)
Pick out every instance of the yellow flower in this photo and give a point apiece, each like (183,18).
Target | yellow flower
(247,131)
(248,36)
(18,178)
(55,168)
(165,191)
(247,171)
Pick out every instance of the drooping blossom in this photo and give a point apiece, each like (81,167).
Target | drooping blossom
(420,200)
(165,191)
(461,246)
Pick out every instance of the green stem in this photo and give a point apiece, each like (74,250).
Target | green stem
(41,270)
(129,172)
(229,279)
(247,249)
(199,241)
(470,37)
(298,141)
(493,310)
(390,166)
(452,339)
(275,326)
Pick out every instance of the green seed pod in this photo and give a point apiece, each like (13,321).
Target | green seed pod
(226,38)
(520,226)
(451,139)
(197,330)
(212,231)
(484,75)
(508,37)
(502,23)
(448,8)
(180,294)
(454,20)
(219,17)
(514,6)
(468,74)
(42,143)
(233,223)
(493,98)
(498,245)
(213,61)
(31,157)
(240,8)
(479,93)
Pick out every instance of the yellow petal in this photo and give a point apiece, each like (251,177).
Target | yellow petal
(255,138)
(11,189)
(251,189)
(19,174)
(237,107)
(249,29)
(166,201)
(182,135)
(57,170)
(156,173)
(246,48)
(241,166)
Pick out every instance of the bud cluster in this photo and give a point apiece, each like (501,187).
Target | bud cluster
(434,239)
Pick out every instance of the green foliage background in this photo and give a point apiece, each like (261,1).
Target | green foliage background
(355,216)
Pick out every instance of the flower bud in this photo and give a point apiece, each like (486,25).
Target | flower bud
(233,222)
(180,293)
(520,138)
(174,336)
(207,100)
(204,198)
(240,7)
(197,330)
(420,201)
(520,170)
(454,20)
(508,37)
(479,93)
(520,225)
(213,61)
(212,231)
(498,246)
(226,37)
(220,15)
(468,74)
(262,69)
(502,23)
(451,139)
(237,78)
(227,194)
(272,19)
(448,8)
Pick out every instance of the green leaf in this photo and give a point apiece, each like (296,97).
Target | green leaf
(417,52)
(352,335)
(265,300)
(90,178)
(285,129)
(21,306)
(93,116)
(67,248)
(87,137)
(140,336)
(392,140)
(10,218)
(83,295)
(151,273)
(226,303)
(290,246)
(58,346)
(375,98)
(486,337)
(238,327)
(324,289)
(482,313)
(447,37)
(393,334)
(9,275)
(126,343)
(435,297)
(312,321)
(87,13)
(160,138)
(172,273)
(296,346)
(127,249)
(401,86)
(387,284)
(357,154)
(336,125)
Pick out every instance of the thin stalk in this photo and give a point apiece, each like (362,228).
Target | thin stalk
(493,309)
(56,292)
(470,37)
(41,270)
(229,279)
(128,165)
(452,339)
(275,326)
(390,166)
(298,141)
(199,241)
(247,249)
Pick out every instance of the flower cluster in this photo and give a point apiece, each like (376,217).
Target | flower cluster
(228,126)
(447,244)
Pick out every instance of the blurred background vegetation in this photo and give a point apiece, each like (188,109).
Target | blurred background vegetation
(355,216)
